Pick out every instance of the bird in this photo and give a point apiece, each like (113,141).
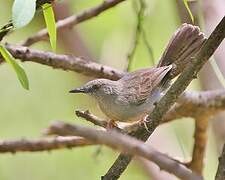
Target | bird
(133,97)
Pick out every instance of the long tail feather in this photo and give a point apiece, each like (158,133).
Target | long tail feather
(184,44)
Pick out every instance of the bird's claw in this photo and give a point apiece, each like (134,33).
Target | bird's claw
(145,125)
(111,125)
(143,122)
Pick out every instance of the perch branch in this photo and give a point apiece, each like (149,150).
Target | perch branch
(103,123)
(91,118)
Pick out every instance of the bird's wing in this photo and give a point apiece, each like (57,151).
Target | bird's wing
(138,85)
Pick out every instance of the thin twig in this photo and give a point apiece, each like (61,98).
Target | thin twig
(147,45)
(137,33)
(71,21)
(139,30)
(128,127)
(91,118)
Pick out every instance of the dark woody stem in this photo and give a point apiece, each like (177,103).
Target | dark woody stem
(171,96)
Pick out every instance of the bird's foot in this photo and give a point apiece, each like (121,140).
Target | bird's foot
(143,122)
(111,125)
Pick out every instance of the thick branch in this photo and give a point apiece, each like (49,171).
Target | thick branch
(126,144)
(176,90)
(197,104)
(71,21)
(42,144)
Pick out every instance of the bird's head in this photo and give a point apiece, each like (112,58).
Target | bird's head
(98,88)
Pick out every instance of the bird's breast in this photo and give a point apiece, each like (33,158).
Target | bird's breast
(125,112)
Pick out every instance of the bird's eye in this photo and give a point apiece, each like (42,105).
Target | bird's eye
(96,87)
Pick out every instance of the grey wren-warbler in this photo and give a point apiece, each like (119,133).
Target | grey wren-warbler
(133,96)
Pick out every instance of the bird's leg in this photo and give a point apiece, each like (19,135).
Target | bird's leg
(111,124)
(143,121)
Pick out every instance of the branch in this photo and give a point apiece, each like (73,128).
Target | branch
(91,118)
(200,141)
(137,33)
(139,30)
(43,144)
(197,104)
(71,21)
(126,144)
(70,39)
(65,62)
(220,174)
(129,127)
(172,94)
(148,46)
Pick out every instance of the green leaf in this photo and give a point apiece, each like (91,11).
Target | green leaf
(18,69)
(50,23)
(23,12)
(189,10)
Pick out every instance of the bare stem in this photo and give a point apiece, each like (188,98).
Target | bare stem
(42,144)
(71,21)
(201,127)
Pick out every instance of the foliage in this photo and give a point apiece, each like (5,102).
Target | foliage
(50,23)
(23,12)
(18,69)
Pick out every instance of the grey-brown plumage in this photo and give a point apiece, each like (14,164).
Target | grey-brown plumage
(132,97)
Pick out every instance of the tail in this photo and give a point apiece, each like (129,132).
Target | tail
(184,44)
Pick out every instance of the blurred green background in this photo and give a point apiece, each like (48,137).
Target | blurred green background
(24,114)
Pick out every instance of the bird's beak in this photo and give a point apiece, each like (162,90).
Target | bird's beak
(79,90)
